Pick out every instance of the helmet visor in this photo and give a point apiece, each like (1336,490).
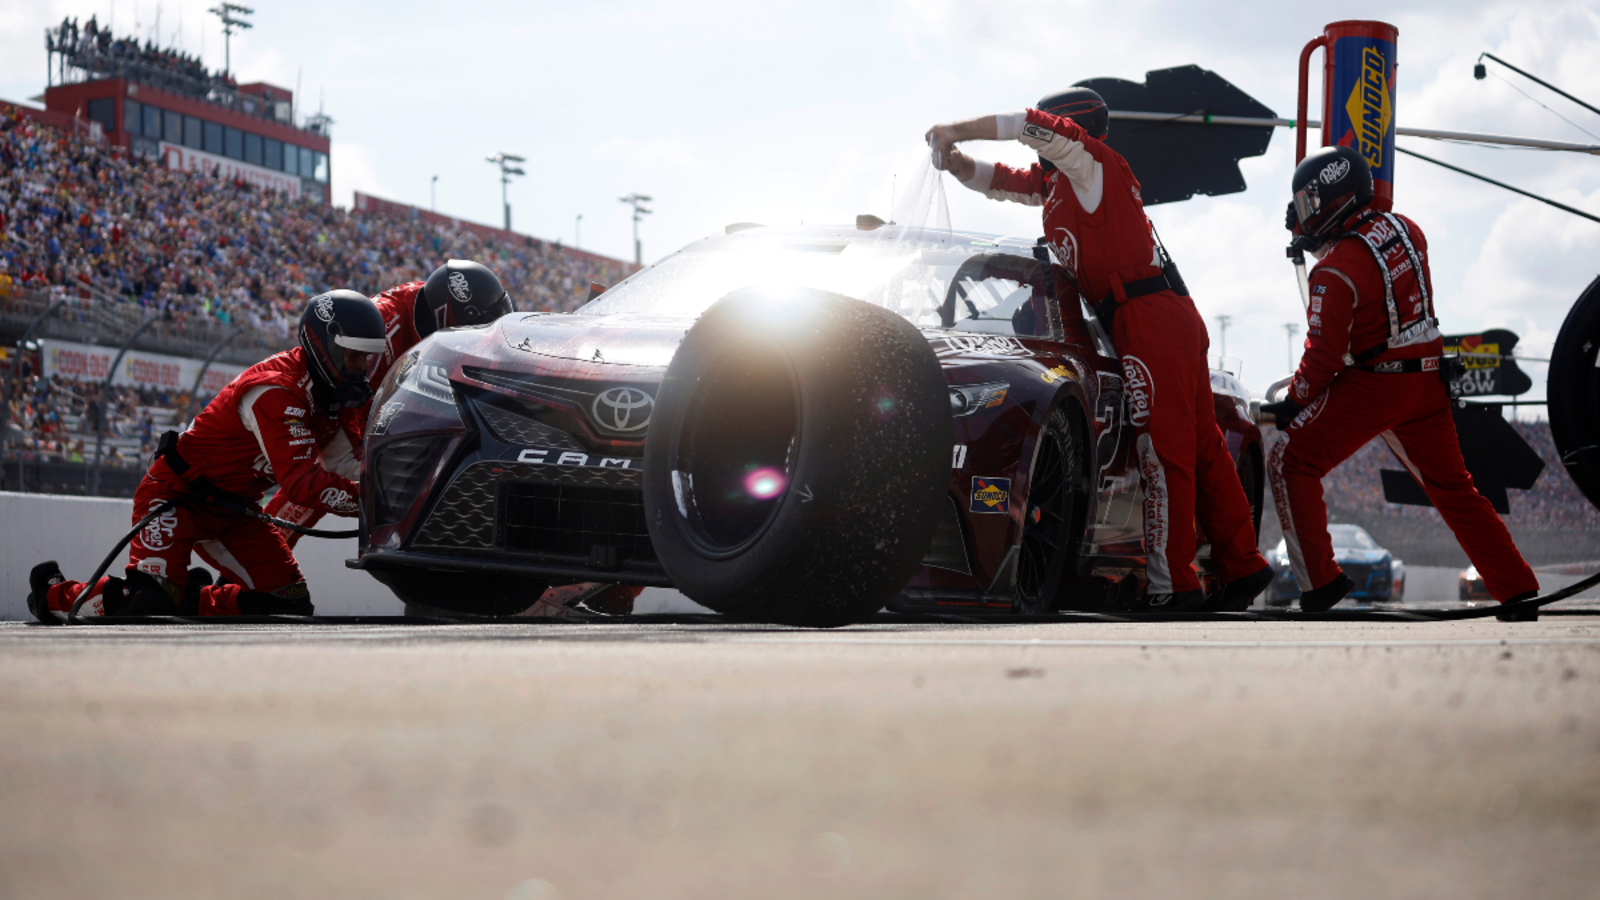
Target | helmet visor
(1307,201)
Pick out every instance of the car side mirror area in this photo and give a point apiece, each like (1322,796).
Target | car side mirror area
(595,290)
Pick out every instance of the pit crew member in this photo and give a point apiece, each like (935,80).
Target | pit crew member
(460,292)
(1096,228)
(1372,368)
(267,427)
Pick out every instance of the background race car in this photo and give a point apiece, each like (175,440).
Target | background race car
(1379,577)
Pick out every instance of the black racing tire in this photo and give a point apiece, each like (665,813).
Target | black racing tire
(472,593)
(798,457)
(1573,392)
(1251,477)
(1052,524)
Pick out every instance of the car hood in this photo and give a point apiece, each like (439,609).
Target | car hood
(619,340)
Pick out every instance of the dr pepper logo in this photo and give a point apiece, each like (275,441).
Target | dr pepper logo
(1141,389)
(991,495)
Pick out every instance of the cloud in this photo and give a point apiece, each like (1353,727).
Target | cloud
(355,168)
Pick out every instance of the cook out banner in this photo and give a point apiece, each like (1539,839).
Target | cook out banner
(138,369)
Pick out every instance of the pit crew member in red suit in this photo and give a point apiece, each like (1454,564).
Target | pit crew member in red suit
(1096,228)
(1371,368)
(460,292)
(267,427)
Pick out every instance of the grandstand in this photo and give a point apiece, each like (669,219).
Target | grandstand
(194,263)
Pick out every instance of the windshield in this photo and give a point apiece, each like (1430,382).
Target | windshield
(1351,537)
(933,279)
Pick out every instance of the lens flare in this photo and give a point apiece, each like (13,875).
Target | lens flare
(765,483)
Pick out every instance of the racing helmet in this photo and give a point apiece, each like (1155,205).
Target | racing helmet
(460,292)
(334,330)
(1081,105)
(1330,185)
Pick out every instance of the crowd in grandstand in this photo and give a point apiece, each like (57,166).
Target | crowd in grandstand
(59,418)
(74,214)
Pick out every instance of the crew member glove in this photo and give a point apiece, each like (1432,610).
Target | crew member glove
(1282,412)
(1291,220)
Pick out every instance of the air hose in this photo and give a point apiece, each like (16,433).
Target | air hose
(185,500)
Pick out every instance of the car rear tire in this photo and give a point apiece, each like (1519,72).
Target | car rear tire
(433,591)
(1573,390)
(1052,524)
(798,457)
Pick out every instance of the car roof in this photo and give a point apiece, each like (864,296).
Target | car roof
(933,238)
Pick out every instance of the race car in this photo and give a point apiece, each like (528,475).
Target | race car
(788,424)
(1379,577)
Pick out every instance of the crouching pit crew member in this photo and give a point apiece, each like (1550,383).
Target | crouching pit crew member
(1372,367)
(460,292)
(266,427)
(1096,228)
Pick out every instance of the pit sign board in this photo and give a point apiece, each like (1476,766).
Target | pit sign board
(1486,357)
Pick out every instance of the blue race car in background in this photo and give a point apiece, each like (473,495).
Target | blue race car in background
(1379,577)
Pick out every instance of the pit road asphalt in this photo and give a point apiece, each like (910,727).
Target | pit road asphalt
(1239,760)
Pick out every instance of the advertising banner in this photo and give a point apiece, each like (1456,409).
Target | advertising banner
(189,159)
(87,362)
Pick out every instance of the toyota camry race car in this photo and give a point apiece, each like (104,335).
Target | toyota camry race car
(797,425)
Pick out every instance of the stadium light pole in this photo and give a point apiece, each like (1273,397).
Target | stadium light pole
(577,233)
(230,14)
(1223,322)
(637,201)
(433,195)
(1291,329)
(506,162)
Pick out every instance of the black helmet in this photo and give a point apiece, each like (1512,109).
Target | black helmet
(1081,105)
(460,292)
(1329,186)
(334,323)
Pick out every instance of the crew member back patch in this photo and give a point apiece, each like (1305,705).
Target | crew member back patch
(991,495)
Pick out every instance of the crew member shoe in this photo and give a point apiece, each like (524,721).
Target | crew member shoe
(40,580)
(1322,599)
(1164,604)
(1238,594)
(1517,612)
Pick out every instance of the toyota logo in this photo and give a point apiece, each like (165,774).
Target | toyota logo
(623,409)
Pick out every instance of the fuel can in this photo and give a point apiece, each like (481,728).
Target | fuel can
(1358,95)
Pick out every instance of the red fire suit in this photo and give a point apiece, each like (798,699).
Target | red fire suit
(262,429)
(1096,228)
(1371,369)
(343,455)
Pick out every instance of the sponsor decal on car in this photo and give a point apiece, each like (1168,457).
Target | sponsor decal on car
(380,425)
(958,457)
(1051,376)
(994,345)
(991,495)
(546,457)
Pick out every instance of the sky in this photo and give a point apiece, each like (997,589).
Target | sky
(790,112)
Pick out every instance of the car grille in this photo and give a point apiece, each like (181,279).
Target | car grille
(603,527)
(513,427)
(400,469)
(1370,578)
(543,510)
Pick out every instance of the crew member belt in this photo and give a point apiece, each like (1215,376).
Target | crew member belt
(1106,309)
(1402,366)
(167,449)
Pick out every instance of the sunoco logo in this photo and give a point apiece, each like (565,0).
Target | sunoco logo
(1369,107)
(1140,387)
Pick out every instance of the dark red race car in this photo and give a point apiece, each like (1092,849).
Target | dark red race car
(798,425)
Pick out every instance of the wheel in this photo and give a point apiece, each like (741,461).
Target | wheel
(1573,391)
(798,457)
(1052,524)
(430,590)
(1250,476)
